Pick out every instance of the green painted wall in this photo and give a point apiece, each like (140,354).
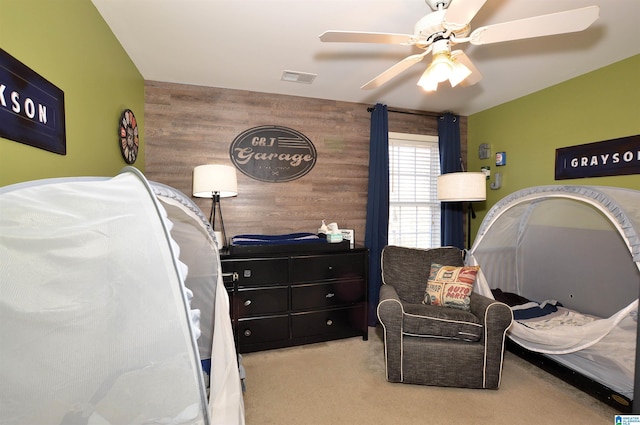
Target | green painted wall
(68,43)
(601,105)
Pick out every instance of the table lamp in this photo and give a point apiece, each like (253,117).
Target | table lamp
(215,181)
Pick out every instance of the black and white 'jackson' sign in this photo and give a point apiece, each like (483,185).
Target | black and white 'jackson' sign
(614,157)
(31,108)
(273,154)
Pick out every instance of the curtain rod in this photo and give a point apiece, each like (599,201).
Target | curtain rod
(400,111)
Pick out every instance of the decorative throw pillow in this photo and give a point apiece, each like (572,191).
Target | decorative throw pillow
(450,286)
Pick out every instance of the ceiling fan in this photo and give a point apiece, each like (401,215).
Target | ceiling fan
(448,25)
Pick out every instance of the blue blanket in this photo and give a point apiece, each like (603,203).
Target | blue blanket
(524,308)
(532,309)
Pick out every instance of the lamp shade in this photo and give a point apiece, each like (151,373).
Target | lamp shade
(211,178)
(458,187)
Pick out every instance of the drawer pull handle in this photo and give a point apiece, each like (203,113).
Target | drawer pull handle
(247,332)
(247,303)
(232,275)
(329,322)
(330,295)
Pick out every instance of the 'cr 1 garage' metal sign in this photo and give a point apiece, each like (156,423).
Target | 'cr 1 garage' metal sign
(273,154)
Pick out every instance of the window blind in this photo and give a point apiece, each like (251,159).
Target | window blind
(414,210)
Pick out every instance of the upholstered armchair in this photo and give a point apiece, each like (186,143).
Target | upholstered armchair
(433,344)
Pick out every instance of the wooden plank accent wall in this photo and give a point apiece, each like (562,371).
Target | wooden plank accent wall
(186,126)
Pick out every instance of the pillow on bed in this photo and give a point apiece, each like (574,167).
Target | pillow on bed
(450,286)
(509,298)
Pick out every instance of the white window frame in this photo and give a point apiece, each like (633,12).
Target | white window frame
(414,210)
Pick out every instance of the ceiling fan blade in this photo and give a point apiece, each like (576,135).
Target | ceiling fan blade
(365,37)
(537,26)
(475,75)
(461,12)
(396,69)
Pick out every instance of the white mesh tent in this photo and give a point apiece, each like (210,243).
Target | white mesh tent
(579,245)
(95,323)
(216,346)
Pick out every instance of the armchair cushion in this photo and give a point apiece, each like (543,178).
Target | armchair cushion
(431,321)
(407,269)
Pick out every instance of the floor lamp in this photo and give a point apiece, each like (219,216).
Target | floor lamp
(215,181)
(463,187)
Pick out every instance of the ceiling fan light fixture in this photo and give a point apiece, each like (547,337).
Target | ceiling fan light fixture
(441,67)
(450,24)
(427,82)
(459,73)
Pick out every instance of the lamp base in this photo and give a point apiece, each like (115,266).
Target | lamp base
(219,241)
(216,212)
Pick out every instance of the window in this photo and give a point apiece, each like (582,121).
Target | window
(414,210)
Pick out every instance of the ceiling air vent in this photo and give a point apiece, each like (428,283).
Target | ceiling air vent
(298,77)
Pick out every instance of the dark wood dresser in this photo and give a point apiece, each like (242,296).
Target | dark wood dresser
(286,299)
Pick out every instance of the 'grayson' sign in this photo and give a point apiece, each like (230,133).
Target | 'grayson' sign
(273,154)
(31,108)
(614,157)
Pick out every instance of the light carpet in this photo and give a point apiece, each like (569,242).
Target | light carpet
(343,382)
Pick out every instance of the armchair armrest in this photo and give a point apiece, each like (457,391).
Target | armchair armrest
(496,318)
(390,314)
(390,308)
(491,313)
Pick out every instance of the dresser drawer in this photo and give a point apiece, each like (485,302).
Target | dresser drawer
(258,271)
(322,295)
(334,323)
(322,267)
(262,330)
(254,302)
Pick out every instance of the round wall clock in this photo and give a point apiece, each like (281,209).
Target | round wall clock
(129,140)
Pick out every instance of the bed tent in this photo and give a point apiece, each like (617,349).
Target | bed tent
(198,250)
(579,245)
(96,320)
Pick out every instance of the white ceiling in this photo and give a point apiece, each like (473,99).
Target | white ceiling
(247,44)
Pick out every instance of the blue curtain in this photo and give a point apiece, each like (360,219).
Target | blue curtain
(377,226)
(452,215)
